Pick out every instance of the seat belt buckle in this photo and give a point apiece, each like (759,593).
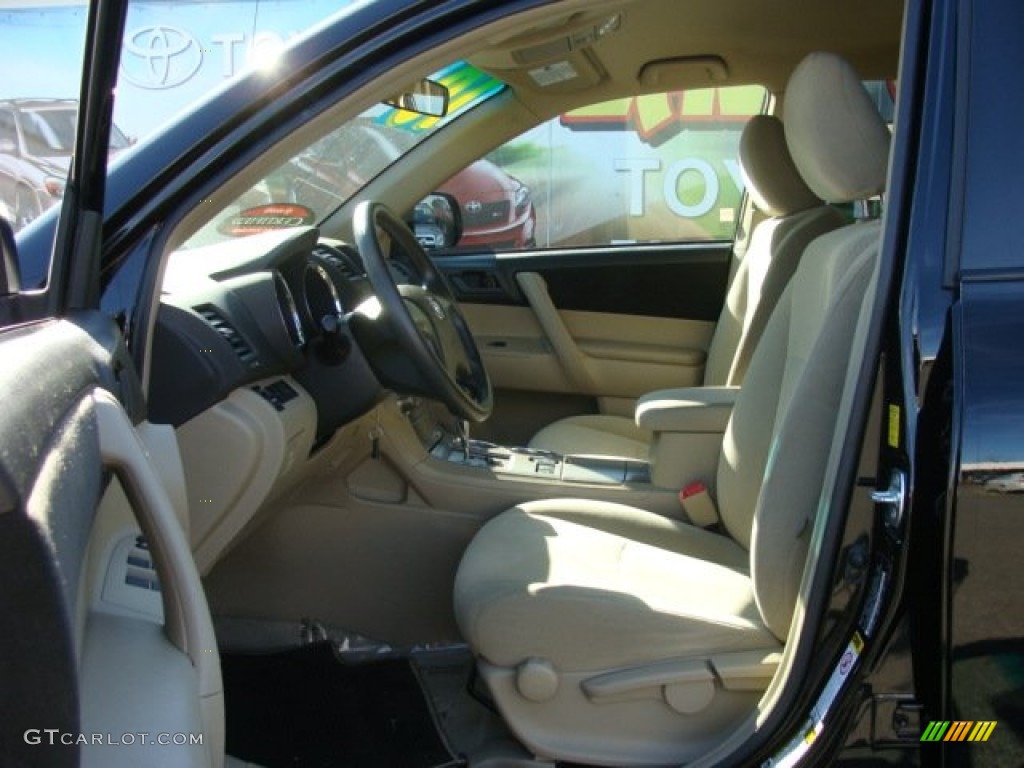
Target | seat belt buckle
(698,505)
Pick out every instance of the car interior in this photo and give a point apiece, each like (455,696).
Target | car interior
(585,532)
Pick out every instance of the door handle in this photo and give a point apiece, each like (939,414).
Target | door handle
(476,281)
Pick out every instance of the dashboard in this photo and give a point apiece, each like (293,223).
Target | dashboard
(264,349)
(262,313)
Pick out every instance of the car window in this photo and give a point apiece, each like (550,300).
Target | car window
(657,167)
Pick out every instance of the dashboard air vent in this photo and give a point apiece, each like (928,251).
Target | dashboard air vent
(220,324)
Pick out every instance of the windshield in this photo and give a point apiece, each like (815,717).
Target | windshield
(323,175)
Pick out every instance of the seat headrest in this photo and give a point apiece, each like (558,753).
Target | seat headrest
(774,183)
(837,138)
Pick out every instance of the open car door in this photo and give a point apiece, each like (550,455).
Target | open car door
(108,655)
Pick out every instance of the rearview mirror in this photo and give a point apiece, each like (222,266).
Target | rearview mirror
(426,97)
(437,221)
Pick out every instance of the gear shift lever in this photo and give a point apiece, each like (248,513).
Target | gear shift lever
(462,425)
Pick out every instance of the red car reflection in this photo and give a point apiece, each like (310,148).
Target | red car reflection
(497,209)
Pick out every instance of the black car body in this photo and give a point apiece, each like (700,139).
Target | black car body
(915,640)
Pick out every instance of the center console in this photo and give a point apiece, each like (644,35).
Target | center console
(419,454)
(528,462)
(687,425)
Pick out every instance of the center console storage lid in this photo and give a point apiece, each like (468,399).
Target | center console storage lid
(690,409)
(604,469)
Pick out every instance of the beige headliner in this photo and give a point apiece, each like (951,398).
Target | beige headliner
(759,41)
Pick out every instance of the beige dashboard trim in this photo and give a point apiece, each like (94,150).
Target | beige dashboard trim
(236,454)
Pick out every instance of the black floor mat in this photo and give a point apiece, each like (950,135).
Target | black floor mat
(304,708)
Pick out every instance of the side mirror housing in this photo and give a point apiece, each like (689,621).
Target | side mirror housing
(437,221)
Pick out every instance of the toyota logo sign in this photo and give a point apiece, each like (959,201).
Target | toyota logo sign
(159,57)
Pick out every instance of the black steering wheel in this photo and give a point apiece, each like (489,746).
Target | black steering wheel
(424,315)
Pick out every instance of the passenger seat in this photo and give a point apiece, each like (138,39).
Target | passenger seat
(610,635)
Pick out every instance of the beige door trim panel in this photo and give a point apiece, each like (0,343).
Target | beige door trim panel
(624,355)
(515,349)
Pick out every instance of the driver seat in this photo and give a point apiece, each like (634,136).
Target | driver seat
(795,217)
(609,635)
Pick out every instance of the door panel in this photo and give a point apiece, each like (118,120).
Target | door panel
(603,324)
(684,282)
(629,354)
(91,652)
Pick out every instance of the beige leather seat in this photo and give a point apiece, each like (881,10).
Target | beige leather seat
(795,217)
(609,635)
